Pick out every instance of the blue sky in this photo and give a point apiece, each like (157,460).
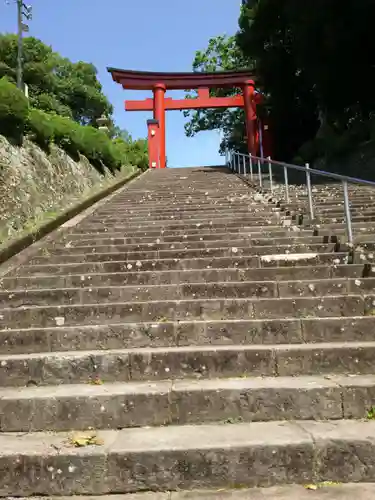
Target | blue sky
(151,35)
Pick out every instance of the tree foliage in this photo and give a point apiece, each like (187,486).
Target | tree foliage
(315,63)
(65,100)
(222,54)
(14,110)
(55,83)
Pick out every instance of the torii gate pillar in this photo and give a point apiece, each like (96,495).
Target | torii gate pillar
(159,115)
(250,111)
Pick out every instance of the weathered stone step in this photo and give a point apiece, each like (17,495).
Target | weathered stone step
(122,213)
(186,203)
(108,245)
(239,262)
(364,216)
(187,333)
(341,232)
(324,491)
(187,457)
(229,290)
(95,255)
(203,220)
(361,226)
(111,246)
(199,230)
(120,239)
(29,315)
(193,362)
(142,278)
(190,217)
(166,402)
(266,244)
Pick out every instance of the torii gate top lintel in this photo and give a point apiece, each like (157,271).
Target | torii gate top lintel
(147,80)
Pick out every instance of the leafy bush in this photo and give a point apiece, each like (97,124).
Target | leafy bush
(44,128)
(14,108)
(66,135)
(39,128)
(95,145)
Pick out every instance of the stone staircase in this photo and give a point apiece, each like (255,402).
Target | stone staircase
(193,334)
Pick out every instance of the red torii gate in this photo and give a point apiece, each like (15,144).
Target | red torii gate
(159,83)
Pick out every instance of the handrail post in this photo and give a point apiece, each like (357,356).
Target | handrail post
(348,217)
(286,184)
(251,167)
(270,173)
(260,175)
(244,165)
(309,192)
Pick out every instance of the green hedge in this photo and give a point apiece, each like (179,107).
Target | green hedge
(44,128)
(14,109)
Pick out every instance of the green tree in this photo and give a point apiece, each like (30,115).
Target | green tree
(306,54)
(65,100)
(313,61)
(55,83)
(222,54)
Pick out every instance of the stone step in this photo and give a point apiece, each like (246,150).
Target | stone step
(192,362)
(215,456)
(238,262)
(203,221)
(187,333)
(167,213)
(130,217)
(156,238)
(324,491)
(171,229)
(356,219)
(185,234)
(243,290)
(152,278)
(30,315)
(95,255)
(112,246)
(166,402)
(361,226)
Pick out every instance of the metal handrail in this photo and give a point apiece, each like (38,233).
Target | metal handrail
(314,171)
(233,160)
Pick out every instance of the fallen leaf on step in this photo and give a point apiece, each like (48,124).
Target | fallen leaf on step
(323,484)
(311,486)
(96,381)
(81,440)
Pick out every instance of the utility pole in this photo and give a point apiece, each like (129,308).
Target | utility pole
(19,54)
(23,11)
